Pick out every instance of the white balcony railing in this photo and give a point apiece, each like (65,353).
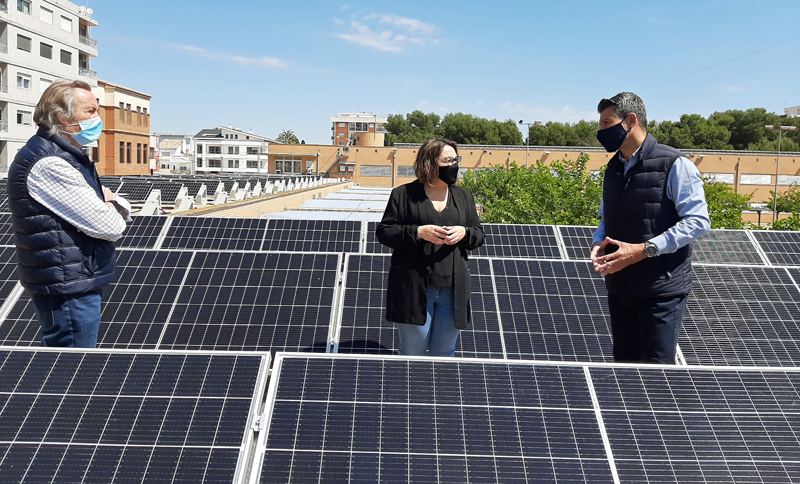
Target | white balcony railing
(3,87)
(4,126)
(3,7)
(88,42)
(87,72)
(3,48)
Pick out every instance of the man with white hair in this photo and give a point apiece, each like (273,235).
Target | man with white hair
(65,221)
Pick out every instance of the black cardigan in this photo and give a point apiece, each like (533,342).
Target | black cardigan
(407,291)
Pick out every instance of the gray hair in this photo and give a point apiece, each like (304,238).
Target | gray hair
(624,104)
(58,101)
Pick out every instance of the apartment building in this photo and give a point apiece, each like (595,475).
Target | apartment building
(124,147)
(229,150)
(173,153)
(792,112)
(40,41)
(358,129)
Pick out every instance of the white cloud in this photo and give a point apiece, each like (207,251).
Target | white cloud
(730,88)
(442,109)
(338,21)
(373,33)
(422,103)
(264,61)
(344,7)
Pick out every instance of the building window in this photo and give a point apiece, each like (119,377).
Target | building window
(144,150)
(144,113)
(24,6)
(226,135)
(756,179)
(376,170)
(138,153)
(236,136)
(233,163)
(233,150)
(289,164)
(44,84)
(24,118)
(729,178)
(128,109)
(199,149)
(215,150)
(252,151)
(128,153)
(341,125)
(215,163)
(252,164)
(121,112)
(66,24)
(23,81)
(199,162)
(788,179)
(23,43)
(66,57)
(138,116)
(46,15)
(122,152)
(95,154)
(406,171)
(45,50)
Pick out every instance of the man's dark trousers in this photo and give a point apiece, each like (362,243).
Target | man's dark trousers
(646,329)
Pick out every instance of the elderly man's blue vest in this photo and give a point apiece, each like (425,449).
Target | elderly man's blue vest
(53,256)
(636,209)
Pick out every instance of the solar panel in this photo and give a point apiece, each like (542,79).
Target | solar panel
(98,416)
(577,240)
(553,310)
(781,248)
(726,247)
(215,233)
(3,197)
(8,272)
(363,327)
(169,191)
(112,184)
(142,233)
(371,244)
(6,230)
(379,419)
(742,316)
(255,301)
(134,310)
(527,241)
(673,425)
(135,191)
(313,235)
(192,186)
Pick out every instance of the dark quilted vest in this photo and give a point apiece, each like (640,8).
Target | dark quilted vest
(635,209)
(53,256)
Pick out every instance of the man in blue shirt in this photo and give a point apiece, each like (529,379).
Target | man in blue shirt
(653,207)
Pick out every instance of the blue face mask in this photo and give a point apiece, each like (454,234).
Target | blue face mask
(612,137)
(91,129)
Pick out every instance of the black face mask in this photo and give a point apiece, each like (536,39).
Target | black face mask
(612,137)
(449,174)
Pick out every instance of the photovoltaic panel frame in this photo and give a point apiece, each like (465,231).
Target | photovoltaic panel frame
(249,301)
(516,240)
(371,244)
(577,240)
(313,235)
(142,233)
(73,415)
(215,233)
(721,246)
(782,248)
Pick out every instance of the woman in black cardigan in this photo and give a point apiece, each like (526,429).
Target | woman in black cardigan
(431,224)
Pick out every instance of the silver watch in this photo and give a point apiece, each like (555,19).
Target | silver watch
(650,249)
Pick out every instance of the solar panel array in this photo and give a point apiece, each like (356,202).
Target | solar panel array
(78,416)
(409,419)
(781,248)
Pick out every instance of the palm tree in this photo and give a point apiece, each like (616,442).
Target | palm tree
(288,136)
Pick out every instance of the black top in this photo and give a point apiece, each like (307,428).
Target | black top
(441,258)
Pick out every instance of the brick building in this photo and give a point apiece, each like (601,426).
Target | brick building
(124,147)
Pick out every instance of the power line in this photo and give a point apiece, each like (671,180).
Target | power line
(696,72)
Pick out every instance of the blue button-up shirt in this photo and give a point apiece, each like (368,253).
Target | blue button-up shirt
(685,189)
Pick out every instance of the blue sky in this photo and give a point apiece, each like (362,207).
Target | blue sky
(270,66)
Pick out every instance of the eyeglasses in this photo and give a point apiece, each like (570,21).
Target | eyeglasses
(450,161)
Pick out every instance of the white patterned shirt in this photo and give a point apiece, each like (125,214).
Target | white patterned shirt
(60,187)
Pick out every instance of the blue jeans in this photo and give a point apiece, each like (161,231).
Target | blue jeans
(439,333)
(646,329)
(69,320)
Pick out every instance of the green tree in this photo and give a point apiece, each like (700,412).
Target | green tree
(415,127)
(562,192)
(725,207)
(287,136)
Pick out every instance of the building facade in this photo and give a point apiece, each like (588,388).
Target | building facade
(40,41)
(172,153)
(229,150)
(124,147)
(358,129)
(793,112)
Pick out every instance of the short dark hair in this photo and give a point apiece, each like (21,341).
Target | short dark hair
(624,104)
(426,165)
